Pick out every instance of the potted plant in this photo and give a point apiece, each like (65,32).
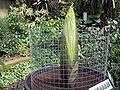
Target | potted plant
(68,75)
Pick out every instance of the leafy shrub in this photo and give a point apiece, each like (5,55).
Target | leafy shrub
(41,10)
(10,76)
(29,14)
(7,39)
(114,55)
(14,26)
(17,25)
(115,72)
(14,36)
(115,42)
(44,42)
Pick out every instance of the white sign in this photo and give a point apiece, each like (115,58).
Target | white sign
(85,16)
(105,85)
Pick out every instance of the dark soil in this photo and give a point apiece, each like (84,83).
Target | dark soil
(54,80)
(51,80)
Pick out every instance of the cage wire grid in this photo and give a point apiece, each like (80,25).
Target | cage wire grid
(45,55)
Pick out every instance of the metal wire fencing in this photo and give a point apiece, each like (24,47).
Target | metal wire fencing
(45,53)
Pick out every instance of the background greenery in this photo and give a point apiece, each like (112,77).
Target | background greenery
(48,19)
(114,53)
(14,35)
(12,75)
(44,43)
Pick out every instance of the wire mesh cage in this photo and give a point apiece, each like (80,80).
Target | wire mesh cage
(67,58)
(45,54)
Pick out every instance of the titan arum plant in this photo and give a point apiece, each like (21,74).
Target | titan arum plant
(69,50)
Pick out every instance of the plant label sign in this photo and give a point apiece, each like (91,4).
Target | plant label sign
(105,85)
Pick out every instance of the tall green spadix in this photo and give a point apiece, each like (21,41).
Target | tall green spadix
(68,48)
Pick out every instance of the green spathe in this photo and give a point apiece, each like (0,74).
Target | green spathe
(69,44)
(70,34)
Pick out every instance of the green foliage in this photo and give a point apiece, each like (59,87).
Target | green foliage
(114,55)
(31,14)
(97,6)
(13,34)
(39,10)
(115,51)
(103,9)
(17,25)
(46,31)
(2,64)
(16,22)
(43,38)
(10,76)
(7,39)
(115,72)
(115,42)
(93,47)
(68,50)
